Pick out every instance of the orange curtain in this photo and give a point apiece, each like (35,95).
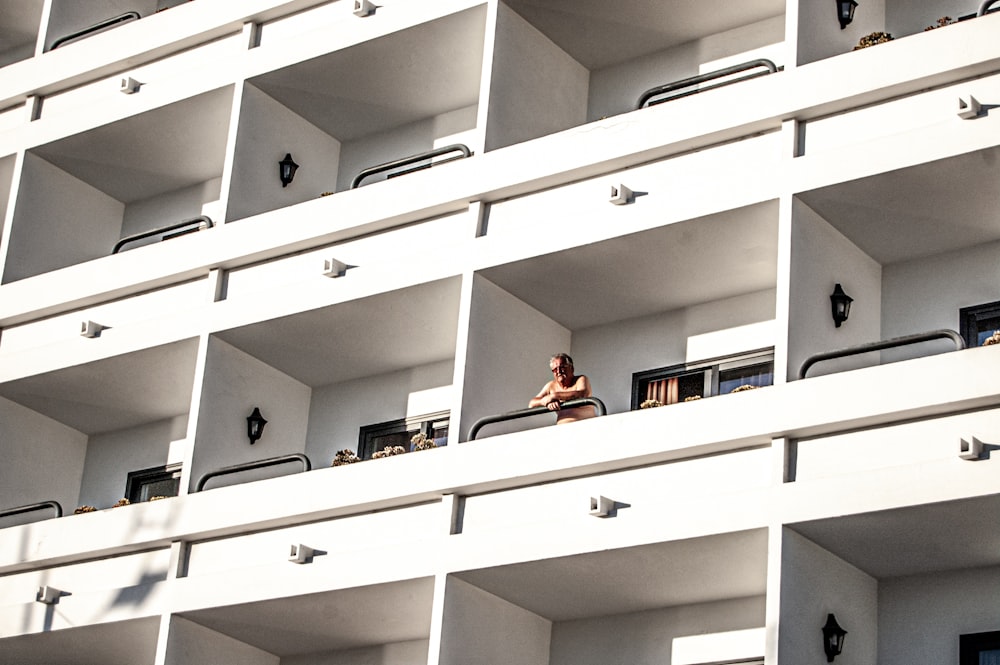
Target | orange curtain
(664,391)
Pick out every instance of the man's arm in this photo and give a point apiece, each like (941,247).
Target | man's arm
(544,396)
(581,388)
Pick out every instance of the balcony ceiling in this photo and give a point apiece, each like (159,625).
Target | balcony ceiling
(384,83)
(19,25)
(337,620)
(917,211)
(114,393)
(659,270)
(599,33)
(365,337)
(633,579)
(915,540)
(162,150)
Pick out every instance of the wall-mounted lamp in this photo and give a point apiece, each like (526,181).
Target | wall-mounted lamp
(840,305)
(334,268)
(91,329)
(845,12)
(833,638)
(301,554)
(286,169)
(129,86)
(255,425)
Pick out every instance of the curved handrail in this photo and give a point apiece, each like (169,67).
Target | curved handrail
(32,507)
(702,78)
(534,411)
(983,8)
(412,159)
(97,27)
(258,464)
(884,344)
(203,222)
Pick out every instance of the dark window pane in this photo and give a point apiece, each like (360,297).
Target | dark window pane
(751,375)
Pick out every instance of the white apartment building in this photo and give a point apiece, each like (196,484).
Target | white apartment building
(674,193)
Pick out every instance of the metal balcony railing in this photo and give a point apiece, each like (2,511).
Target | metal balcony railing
(189,226)
(879,346)
(413,159)
(535,411)
(258,464)
(112,22)
(985,7)
(32,507)
(644,99)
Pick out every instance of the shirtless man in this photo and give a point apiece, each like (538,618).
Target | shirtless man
(564,387)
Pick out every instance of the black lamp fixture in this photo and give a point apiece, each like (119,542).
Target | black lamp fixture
(840,305)
(833,638)
(255,425)
(286,169)
(845,12)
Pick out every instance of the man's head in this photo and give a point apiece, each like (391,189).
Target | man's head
(561,366)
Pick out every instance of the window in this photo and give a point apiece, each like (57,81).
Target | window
(374,438)
(979,322)
(718,376)
(979,649)
(158,482)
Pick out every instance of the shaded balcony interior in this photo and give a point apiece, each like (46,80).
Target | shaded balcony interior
(905,583)
(820,34)
(322,375)
(19,24)
(80,195)
(563,63)
(684,292)
(380,623)
(398,95)
(114,643)
(71,21)
(75,434)
(673,602)
(911,246)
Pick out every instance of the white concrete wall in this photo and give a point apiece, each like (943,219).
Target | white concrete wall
(926,294)
(112,455)
(267,132)
(454,126)
(338,411)
(566,504)
(43,460)
(510,344)
(176,206)
(931,440)
(610,354)
(236,382)
(647,638)
(616,89)
(483,629)
(346,539)
(192,644)
(921,617)
(814,583)
(58,221)
(536,88)
(413,652)
(822,257)
(819,30)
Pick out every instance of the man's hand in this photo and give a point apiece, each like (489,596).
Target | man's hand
(551,403)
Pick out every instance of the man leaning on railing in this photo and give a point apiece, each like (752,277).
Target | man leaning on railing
(563,387)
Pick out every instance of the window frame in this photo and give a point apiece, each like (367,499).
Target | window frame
(136,480)
(711,368)
(971,645)
(969,319)
(423,424)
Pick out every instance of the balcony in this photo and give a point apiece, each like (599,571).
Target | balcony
(389,97)
(151,170)
(568,63)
